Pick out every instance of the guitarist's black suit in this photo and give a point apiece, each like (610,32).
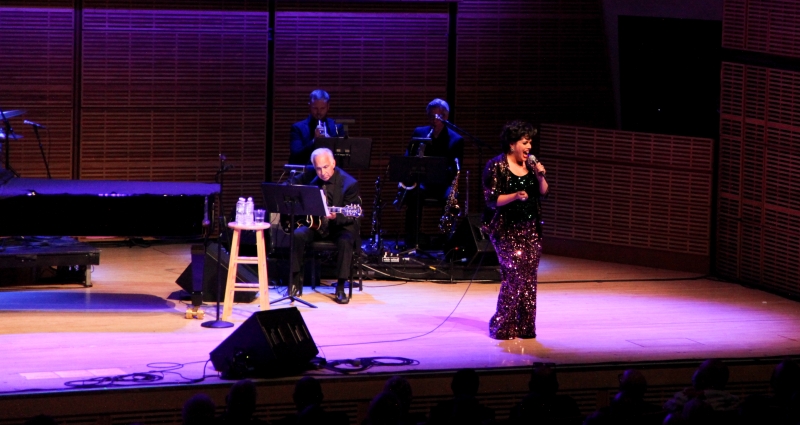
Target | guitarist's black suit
(341,190)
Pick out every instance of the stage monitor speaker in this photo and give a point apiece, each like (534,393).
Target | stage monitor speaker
(469,241)
(208,265)
(268,344)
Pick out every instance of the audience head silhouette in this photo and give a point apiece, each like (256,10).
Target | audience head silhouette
(198,410)
(241,400)
(384,409)
(712,374)
(785,379)
(543,380)
(307,392)
(465,383)
(400,387)
(633,383)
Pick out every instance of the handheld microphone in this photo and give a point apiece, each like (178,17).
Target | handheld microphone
(533,161)
(34,124)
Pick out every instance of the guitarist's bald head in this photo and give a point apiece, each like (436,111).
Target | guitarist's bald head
(324,163)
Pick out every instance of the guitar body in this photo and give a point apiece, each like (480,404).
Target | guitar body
(320,224)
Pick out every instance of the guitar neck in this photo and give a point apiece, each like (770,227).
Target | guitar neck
(349,210)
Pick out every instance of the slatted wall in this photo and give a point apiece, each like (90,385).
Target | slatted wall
(168,86)
(628,197)
(36,75)
(533,60)
(163,87)
(759,167)
(767,26)
(381,64)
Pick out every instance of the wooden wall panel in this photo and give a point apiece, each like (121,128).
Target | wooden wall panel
(166,89)
(759,177)
(766,26)
(381,67)
(626,189)
(36,74)
(545,62)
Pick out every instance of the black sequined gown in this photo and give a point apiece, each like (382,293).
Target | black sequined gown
(514,230)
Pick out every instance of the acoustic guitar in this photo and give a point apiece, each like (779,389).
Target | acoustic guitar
(320,224)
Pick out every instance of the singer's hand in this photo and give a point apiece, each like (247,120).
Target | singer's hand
(319,132)
(522,195)
(540,171)
(332,216)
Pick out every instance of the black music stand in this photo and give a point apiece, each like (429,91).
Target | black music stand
(293,200)
(351,153)
(424,170)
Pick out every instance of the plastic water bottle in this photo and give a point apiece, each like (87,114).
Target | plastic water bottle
(249,206)
(240,211)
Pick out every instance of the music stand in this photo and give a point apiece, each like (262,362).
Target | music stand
(293,200)
(351,153)
(422,170)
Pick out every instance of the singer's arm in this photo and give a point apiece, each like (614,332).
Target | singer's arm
(511,197)
(544,188)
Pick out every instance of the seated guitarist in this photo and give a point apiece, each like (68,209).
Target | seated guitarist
(341,189)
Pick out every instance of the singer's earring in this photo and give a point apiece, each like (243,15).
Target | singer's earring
(512,150)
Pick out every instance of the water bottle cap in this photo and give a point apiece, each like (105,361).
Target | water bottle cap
(249,199)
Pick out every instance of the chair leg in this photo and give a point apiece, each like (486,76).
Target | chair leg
(315,272)
(360,277)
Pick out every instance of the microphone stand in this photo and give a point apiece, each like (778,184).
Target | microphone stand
(9,133)
(480,144)
(41,149)
(218,323)
(476,141)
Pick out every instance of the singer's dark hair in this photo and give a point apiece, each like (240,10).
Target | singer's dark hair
(515,130)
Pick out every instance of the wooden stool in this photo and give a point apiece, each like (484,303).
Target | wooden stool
(262,287)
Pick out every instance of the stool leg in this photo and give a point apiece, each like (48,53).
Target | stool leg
(263,279)
(230,284)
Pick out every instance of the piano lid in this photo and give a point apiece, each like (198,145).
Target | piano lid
(111,188)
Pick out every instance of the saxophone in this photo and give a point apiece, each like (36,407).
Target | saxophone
(447,224)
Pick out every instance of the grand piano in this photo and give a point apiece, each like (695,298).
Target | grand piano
(44,207)
(33,211)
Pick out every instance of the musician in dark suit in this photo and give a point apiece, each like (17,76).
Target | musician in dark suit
(341,189)
(303,133)
(444,143)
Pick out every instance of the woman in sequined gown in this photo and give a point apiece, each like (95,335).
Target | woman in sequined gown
(513,186)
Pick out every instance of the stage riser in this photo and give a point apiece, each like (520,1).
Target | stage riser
(590,385)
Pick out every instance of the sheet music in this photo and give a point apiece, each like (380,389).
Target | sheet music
(324,201)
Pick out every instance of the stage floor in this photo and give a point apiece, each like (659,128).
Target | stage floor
(589,312)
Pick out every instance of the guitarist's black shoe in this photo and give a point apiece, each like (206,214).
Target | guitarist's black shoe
(340,297)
